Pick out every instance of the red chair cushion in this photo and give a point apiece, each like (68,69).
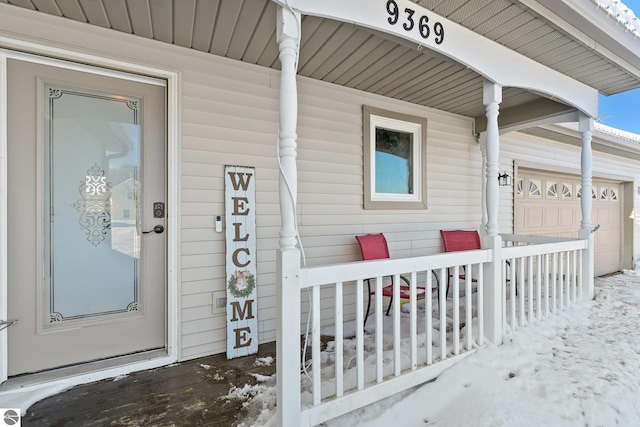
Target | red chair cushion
(373,246)
(460,240)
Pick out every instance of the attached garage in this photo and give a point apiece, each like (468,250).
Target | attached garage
(548,204)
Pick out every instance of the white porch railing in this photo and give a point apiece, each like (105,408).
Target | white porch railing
(541,276)
(420,348)
(365,363)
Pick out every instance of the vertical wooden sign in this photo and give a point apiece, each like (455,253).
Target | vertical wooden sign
(240,221)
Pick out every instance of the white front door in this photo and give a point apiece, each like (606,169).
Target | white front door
(86,177)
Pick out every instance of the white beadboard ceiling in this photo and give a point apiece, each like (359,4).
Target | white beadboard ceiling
(352,56)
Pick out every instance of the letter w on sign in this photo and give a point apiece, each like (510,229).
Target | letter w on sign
(240,180)
(241,279)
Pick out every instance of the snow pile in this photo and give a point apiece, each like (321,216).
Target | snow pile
(621,12)
(260,401)
(264,361)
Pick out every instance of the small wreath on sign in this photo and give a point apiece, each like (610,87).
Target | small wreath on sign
(241,284)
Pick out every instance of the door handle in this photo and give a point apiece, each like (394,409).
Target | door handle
(4,324)
(157,229)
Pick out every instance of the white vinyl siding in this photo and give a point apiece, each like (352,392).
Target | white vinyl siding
(230,114)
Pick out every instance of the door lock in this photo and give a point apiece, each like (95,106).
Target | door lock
(158,210)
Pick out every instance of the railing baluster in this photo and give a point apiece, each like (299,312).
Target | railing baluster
(413,320)
(561,280)
(570,268)
(480,299)
(443,317)
(359,335)
(503,283)
(522,289)
(554,283)
(512,287)
(428,318)
(567,279)
(539,287)
(339,341)
(580,283)
(456,308)
(468,305)
(379,331)
(396,326)
(546,285)
(568,276)
(530,293)
(574,275)
(315,346)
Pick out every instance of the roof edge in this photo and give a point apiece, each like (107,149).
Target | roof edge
(605,138)
(600,28)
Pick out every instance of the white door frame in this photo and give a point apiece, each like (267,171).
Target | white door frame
(173,211)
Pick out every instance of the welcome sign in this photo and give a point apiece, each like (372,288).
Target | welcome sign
(240,221)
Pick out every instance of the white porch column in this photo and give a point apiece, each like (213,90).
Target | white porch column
(586,202)
(492,97)
(288,256)
(483,176)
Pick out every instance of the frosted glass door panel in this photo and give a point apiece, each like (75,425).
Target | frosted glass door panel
(93,171)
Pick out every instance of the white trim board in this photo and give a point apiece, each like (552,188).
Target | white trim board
(568,170)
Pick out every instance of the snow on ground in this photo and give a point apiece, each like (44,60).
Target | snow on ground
(580,368)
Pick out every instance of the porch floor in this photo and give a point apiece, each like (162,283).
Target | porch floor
(184,394)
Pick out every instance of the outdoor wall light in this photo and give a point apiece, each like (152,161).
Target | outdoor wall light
(504,179)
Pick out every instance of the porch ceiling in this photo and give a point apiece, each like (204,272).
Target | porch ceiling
(356,57)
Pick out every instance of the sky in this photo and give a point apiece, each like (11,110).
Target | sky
(579,368)
(622,111)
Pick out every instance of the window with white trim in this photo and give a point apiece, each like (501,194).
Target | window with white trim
(395,160)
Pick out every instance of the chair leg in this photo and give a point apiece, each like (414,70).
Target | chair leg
(366,316)
(390,299)
(437,286)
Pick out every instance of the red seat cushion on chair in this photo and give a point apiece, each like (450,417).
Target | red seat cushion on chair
(373,246)
(460,240)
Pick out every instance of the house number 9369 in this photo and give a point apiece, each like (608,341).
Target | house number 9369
(410,21)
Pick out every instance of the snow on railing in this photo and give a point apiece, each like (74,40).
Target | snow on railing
(541,276)
(365,363)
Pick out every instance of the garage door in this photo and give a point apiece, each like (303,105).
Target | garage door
(548,204)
